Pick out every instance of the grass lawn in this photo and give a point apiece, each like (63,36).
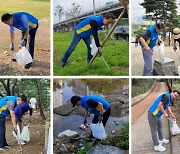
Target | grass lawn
(142,86)
(115,52)
(39,8)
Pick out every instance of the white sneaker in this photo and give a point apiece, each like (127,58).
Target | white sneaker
(163,141)
(159,148)
(21,142)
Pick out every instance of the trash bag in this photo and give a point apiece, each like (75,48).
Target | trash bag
(161,52)
(25,136)
(93,46)
(175,129)
(23,56)
(98,131)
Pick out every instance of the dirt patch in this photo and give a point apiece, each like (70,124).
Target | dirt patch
(37,136)
(41,64)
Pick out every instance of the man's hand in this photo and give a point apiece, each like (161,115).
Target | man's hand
(174,118)
(100,118)
(24,123)
(15,130)
(12,47)
(100,51)
(30,120)
(148,48)
(165,115)
(174,47)
(23,43)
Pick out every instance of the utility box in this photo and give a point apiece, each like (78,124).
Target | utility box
(164,68)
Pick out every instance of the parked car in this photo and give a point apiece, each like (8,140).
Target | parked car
(121,32)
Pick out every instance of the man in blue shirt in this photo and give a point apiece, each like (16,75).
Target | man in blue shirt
(28,25)
(148,42)
(94,104)
(7,106)
(21,109)
(84,30)
(160,107)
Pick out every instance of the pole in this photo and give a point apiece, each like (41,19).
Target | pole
(94,9)
(109,34)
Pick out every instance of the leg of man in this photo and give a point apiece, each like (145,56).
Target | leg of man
(153,123)
(160,130)
(147,62)
(75,41)
(32,35)
(2,131)
(106,116)
(87,41)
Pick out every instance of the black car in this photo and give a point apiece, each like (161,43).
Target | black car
(122,32)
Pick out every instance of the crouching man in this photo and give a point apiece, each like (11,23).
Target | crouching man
(93,104)
(23,107)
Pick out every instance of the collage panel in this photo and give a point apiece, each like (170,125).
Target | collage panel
(25,125)
(155,115)
(25,38)
(90,38)
(90,115)
(155,38)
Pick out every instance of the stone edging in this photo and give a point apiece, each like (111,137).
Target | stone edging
(139,98)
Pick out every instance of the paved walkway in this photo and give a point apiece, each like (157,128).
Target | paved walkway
(137,62)
(141,136)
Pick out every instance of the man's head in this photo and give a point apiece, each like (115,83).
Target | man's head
(159,27)
(175,94)
(176,33)
(21,99)
(75,100)
(7,18)
(108,18)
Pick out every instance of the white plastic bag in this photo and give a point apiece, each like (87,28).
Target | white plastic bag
(161,52)
(23,56)
(25,134)
(175,129)
(98,131)
(93,46)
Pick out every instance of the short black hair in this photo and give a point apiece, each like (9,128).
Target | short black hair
(6,17)
(109,15)
(74,100)
(160,25)
(23,98)
(176,91)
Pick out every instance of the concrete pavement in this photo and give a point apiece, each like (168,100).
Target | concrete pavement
(137,62)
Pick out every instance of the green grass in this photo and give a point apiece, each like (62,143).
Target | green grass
(40,9)
(141,86)
(120,140)
(115,52)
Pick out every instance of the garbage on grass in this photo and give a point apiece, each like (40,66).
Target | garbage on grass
(175,130)
(23,57)
(93,46)
(98,131)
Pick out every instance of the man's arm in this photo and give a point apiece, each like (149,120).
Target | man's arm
(12,37)
(171,113)
(100,107)
(94,27)
(26,26)
(13,118)
(160,106)
(144,38)
(85,116)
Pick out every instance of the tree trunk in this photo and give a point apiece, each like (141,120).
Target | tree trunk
(39,88)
